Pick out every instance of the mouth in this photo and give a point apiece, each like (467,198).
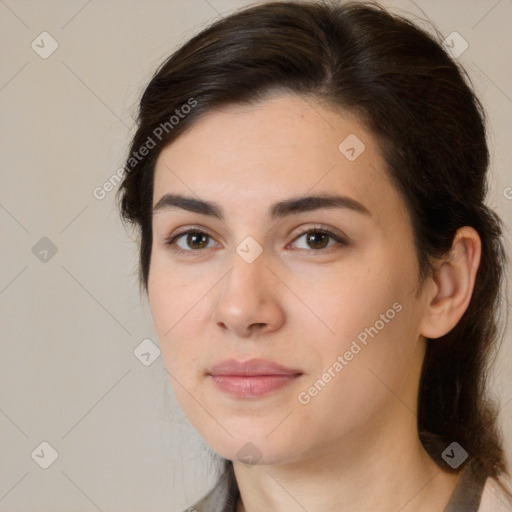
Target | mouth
(252,378)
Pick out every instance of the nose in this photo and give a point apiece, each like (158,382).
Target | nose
(248,301)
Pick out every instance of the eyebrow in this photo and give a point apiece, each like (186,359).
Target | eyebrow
(278,210)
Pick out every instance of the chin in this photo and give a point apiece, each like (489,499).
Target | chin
(255,450)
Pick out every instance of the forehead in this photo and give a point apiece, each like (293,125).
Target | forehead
(249,156)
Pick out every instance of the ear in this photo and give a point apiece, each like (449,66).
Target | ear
(450,288)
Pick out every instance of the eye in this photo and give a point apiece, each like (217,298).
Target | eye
(194,240)
(190,241)
(318,239)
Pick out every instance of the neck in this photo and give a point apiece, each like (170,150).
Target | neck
(388,472)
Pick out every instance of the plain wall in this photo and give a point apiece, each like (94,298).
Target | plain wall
(71,320)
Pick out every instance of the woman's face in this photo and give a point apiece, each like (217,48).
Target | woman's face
(338,309)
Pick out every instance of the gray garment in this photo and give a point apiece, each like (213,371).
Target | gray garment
(222,498)
(466,496)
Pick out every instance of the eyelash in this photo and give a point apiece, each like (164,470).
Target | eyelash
(170,241)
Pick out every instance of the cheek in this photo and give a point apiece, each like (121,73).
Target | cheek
(371,311)
(172,307)
(366,369)
(352,297)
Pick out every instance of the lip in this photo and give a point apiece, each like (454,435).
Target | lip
(252,378)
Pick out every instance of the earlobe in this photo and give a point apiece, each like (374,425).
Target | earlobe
(452,283)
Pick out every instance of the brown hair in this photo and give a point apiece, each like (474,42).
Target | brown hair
(430,127)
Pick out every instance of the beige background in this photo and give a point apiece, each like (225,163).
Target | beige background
(70,324)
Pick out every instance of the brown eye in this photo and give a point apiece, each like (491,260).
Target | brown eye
(192,240)
(317,240)
(197,240)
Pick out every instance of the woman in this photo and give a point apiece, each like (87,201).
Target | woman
(309,180)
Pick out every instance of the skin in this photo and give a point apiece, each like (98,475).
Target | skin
(354,446)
